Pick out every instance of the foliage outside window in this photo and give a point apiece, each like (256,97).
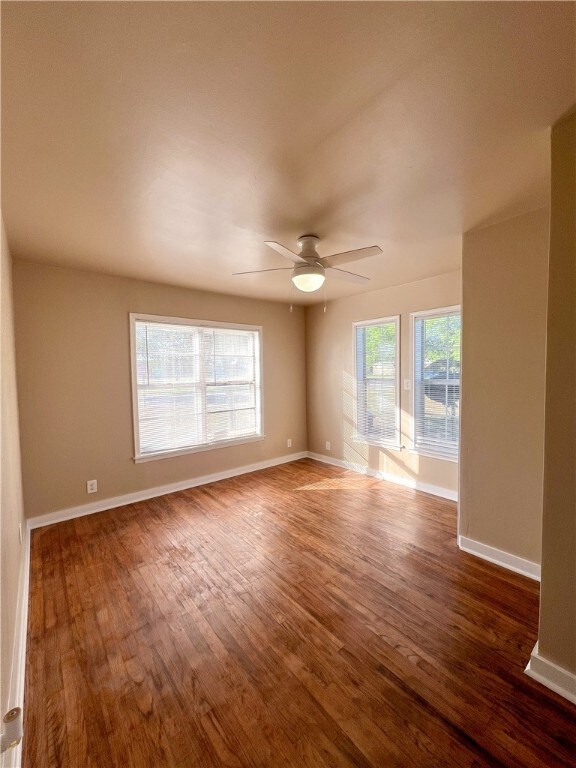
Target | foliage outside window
(195,385)
(437,382)
(377,407)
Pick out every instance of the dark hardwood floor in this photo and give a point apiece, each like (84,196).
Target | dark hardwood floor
(298,616)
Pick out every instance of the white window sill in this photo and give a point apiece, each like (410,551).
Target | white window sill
(378,443)
(431,454)
(141,458)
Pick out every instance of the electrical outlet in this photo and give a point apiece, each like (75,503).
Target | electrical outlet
(407,384)
(91,486)
(328,446)
(289,442)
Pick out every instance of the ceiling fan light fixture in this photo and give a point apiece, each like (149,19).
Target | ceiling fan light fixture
(308,277)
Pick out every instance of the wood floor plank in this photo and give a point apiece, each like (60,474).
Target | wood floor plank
(298,616)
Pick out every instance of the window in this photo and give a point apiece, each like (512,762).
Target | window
(437,381)
(377,407)
(196,384)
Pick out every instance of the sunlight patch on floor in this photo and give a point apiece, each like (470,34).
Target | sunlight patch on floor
(337,484)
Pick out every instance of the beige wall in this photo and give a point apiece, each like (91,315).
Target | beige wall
(11,511)
(557,638)
(504,278)
(73,358)
(330,370)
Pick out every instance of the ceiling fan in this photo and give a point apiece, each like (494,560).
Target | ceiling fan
(310,269)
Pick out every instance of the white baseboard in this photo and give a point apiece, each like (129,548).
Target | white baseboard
(12,758)
(407,482)
(551,675)
(499,557)
(129,498)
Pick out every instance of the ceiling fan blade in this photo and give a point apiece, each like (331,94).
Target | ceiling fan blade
(347,256)
(257,271)
(352,277)
(286,252)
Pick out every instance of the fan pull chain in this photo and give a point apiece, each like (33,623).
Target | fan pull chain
(291,294)
(324,297)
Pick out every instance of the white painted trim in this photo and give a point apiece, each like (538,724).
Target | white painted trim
(134,383)
(149,493)
(12,758)
(419,451)
(406,482)
(438,311)
(499,557)
(144,457)
(169,320)
(551,675)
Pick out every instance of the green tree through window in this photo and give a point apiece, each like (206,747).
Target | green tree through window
(437,382)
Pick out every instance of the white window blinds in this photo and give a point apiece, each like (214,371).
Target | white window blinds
(195,385)
(437,382)
(377,407)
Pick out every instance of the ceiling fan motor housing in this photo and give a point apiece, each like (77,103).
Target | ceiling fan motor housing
(307,245)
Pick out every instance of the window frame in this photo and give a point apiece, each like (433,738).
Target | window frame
(395,443)
(426,450)
(143,457)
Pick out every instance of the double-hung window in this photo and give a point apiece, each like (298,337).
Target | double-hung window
(437,382)
(196,385)
(377,406)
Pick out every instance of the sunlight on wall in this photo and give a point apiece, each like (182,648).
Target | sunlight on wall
(353,451)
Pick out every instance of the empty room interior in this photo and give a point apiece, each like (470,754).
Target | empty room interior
(288,357)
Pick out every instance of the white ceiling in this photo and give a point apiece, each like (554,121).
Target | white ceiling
(167,141)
